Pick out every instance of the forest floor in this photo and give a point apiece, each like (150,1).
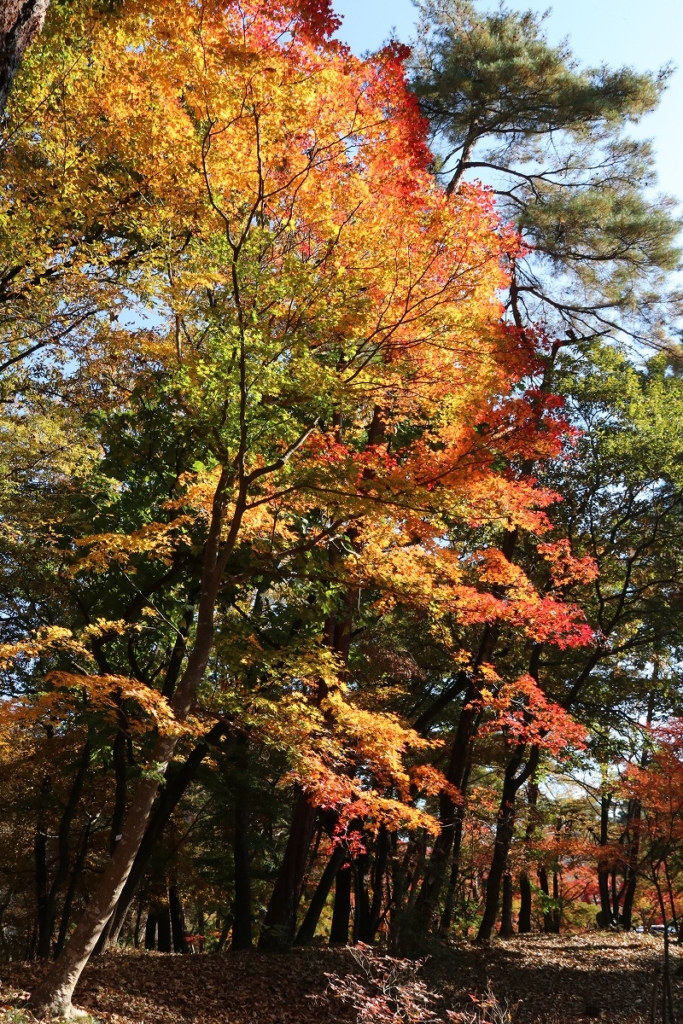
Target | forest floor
(560,980)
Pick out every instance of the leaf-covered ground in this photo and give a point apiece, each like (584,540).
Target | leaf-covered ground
(597,976)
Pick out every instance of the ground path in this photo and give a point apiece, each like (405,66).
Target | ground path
(561,980)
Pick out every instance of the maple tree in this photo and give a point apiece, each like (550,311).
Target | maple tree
(322,351)
(305,565)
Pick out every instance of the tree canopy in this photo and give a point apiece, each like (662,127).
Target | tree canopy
(340,493)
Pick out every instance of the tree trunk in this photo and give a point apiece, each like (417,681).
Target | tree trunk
(551,921)
(504,831)
(279,925)
(120,774)
(506,927)
(378,877)
(306,932)
(151,930)
(71,890)
(20,22)
(557,910)
(449,904)
(631,879)
(605,917)
(525,905)
(524,919)
(242,924)
(341,914)
(361,913)
(177,920)
(164,930)
(450,817)
(457,775)
(45,921)
(175,787)
(53,996)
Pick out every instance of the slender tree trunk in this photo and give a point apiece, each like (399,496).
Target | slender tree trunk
(55,993)
(341,914)
(606,917)
(504,831)
(45,921)
(551,920)
(361,913)
(506,926)
(279,927)
(525,905)
(378,879)
(450,817)
(635,812)
(306,932)
(557,910)
(450,813)
(242,924)
(174,789)
(120,774)
(449,904)
(71,889)
(225,931)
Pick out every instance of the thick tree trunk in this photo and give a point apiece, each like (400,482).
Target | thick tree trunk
(151,930)
(53,996)
(524,919)
(279,925)
(164,944)
(341,914)
(177,920)
(20,22)
(309,924)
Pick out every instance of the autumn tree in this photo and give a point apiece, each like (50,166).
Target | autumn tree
(276,291)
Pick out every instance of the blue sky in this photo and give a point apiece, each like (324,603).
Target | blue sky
(645,35)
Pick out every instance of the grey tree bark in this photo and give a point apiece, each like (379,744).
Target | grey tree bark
(20,23)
